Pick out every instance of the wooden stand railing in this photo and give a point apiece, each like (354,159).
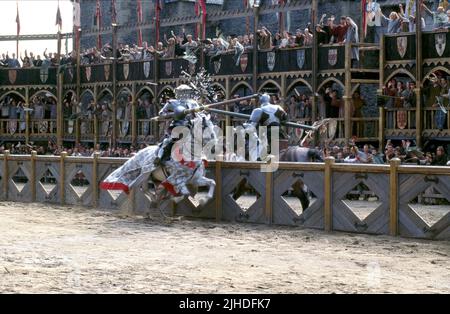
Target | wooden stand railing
(395,186)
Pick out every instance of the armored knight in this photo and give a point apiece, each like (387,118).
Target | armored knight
(181,170)
(267,115)
(175,109)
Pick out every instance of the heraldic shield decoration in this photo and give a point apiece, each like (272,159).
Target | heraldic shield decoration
(402,46)
(217,65)
(332,57)
(441,42)
(70,126)
(70,74)
(43,73)
(88,73)
(300,59)
(168,67)
(12,75)
(244,62)
(126,70)
(402,119)
(146,67)
(271,60)
(107,71)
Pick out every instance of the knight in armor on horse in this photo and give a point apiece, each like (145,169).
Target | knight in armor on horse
(176,176)
(176,110)
(270,116)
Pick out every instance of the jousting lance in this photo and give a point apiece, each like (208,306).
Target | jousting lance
(210,108)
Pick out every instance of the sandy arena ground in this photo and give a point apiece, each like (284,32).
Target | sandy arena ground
(49,249)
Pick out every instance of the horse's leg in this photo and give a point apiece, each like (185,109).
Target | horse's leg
(211,184)
(301,195)
(240,189)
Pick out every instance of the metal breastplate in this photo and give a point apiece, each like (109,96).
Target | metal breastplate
(270,115)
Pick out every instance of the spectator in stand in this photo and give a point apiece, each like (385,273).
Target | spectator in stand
(12,62)
(308,41)
(441,157)
(292,107)
(440,17)
(352,37)
(394,22)
(26,62)
(264,38)
(340,31)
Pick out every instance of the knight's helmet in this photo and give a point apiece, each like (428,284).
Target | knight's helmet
(264,100)
(184,92)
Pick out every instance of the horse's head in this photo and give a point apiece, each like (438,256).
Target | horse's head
(325,129)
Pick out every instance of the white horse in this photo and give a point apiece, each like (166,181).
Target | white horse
(140,171)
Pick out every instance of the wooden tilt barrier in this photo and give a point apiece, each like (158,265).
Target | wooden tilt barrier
(68,180)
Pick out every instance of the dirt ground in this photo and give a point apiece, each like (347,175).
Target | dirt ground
(50,249)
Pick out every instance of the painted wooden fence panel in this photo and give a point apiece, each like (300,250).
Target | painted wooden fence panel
(78,183)
(288,210)
(251,209)
(2,180)
(48,181)
(114,200)
(19,181)
(419,225)
(368,219)
(350,198)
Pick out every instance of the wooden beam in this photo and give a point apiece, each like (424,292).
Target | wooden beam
(393,196)
(364,81)
(348,92)
(114,88)
(419,74)
(218,192)
(33,37)
(33,175)
(95,183)
(382,122)
(315,64)
(59,110)
(255,50)
(133,114)
(5,176)
(62,178)
(27,116)
(77,121)
(269,197)
(328,194)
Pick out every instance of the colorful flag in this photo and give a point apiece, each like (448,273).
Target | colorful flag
(76,13)
(98,15)
(58,18)
(364,16)
(18,20)
(113,11)
(98,23)
(158,10)
(200,9)
(281,17)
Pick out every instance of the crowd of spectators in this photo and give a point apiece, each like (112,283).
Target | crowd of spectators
(76,150)
(350,153)
(186,46)
(368,154)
